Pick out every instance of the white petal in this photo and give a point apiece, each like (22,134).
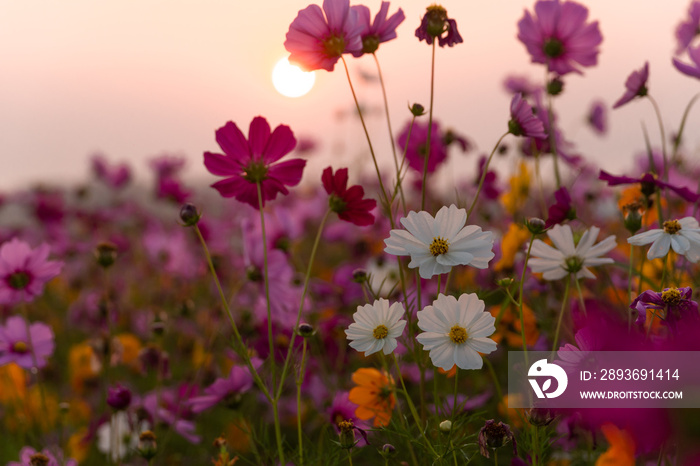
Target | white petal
(431,340)
(646,237)
(545,251)
(605,246)
(689,223)
(443,356)
(483,345)
(467,358)
(586,241)
(555,274)
(420,225)
(449,221)
(402,243)
(660,247)
(431,268)
(563,239)
(679,244)
(455,258)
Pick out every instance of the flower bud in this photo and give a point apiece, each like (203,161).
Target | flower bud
(305,330)
(633,217)
(555,86)
(388,450)
(540,417)
(359,275)
(505,282)
(347,434)
(417,110)
(147,445)
(535,225)
(446,426)
(106,254)
(189,215)
(118,397)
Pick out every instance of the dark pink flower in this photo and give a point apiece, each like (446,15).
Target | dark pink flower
(115,176)
(636,85)
(383,29)
(348,203)
(597,118)
(316,41)
(167,165)
(688,29)
(561,210)
(520,84)
(490,188)
(228,390)
(522,121)
(649,184)
(690,70)
(24,271)
(559,36)
(436,24)
(417,146)
(674,306)
(246,162)
(25,458)
(172,189)
(25,345)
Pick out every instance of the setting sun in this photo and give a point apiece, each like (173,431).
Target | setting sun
(290,80)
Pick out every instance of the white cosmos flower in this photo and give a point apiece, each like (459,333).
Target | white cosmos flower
(455,331)
(437,244)
(376,327)
(567,257)
(682,235)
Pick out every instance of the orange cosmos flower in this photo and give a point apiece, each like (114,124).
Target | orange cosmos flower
(373,395)
(621,450)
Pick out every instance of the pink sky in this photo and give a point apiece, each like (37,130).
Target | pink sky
(136,78)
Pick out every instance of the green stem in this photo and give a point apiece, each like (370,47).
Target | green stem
(278,431)
(520,299)
(364,127)
(349,457)
(268,304)
(629,286)
(580,297)
(430,129)
(300,380)
(679,137)
(561,314)
(307,277)
(663,134)
(484,172)
(496,383)
(552,132)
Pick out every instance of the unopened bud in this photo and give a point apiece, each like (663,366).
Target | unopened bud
(388,450)
(535,225)
(446,427)
(147,445)
(106,254)
(417,110)
(305,330)
(555,86)
(189,215)
(505,282)
(359,275)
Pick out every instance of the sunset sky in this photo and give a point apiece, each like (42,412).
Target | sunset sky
(134,79)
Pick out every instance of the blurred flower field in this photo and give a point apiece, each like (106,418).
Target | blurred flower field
(364,317)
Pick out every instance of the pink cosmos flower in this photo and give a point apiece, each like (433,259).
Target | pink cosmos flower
(24,271)
(27,453)
(316,41)
(24,344)
(417,150)
(383,29)
(688,29)
(636,85)
(115,176)
(597,118)
(523,122)
(246,162)
(559,37)
(436,24)
(690,70)
(348,203)
(228,390)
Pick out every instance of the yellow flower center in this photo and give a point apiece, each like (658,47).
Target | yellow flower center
(458,334)
(380,332)
(672,227)
(671,296)
(439,246)
(346,426)
(20,347)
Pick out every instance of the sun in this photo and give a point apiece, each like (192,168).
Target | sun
(290,80)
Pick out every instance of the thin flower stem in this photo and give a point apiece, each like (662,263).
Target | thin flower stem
(364,127)
(385,366)
(454,400)
(629,286)
(496,383)
(300,380)
(520,299)
(307,277)
(349,457)
(580,296)
(278,430)
(495,456)
(239,341)
(663,134)
(679,137)
(561,313)
(430,129)
(412,408)
(551,132)
(268,304)
(484,172)
(391,132)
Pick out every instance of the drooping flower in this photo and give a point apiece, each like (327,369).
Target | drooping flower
(636,85)
(27,346)
(383,29)
(417,148)
(436,24)
(373,395)
(455,331)
(495,435)
(567,257)
(682,235)
(621,449)
(24,271)
(437,244)
(317,38)
(673,305)
(649,183)
(228,390)
(522,121)
(561,210)
(521,84)
(597,118)
(376,327)
(348,203)
(560,37)
(690,70)
(247,162)
(687,30)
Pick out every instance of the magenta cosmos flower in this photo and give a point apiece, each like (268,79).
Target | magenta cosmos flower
(597,118)
(348,203)
(247,162)
(522,121)
(436,24)
(229,390)
(690,70)
(316,41)
(28,456)
(383,29)
(559,36)
(417,146)
(688,29)
(23,344)
(115,176)
(24,271)
(636,85)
